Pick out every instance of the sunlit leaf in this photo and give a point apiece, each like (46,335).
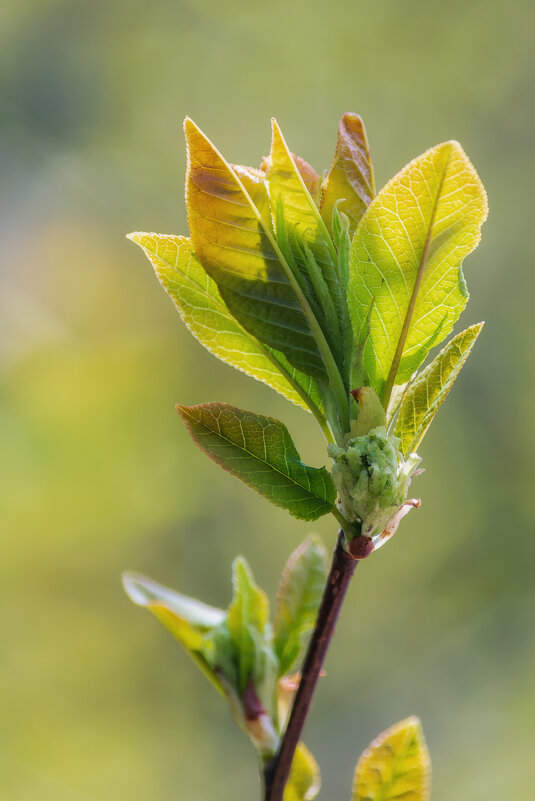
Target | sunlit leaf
(247,618)
(298,599)
(304,782)
(350,179)
(395,766)
(202,309)
(429,390)
(189,620)
(234,241)
(405,262)
(260,451)
(304,238)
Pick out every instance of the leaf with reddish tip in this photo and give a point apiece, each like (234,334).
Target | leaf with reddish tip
(350,181)
(396,765)
(260,451)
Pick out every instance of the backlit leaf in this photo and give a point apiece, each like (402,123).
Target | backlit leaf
(234,241)
(304,782)
(304,238)
(247,618)
(189,620)
(260,451)
(395,766)
(202,309)
(298,599)
(405,262)
(350,179)
(429,390)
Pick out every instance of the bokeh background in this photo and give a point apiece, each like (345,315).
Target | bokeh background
(96,472)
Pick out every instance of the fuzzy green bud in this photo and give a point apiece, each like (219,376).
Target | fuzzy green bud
(373,478)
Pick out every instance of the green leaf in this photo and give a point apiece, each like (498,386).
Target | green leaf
(309,251)
(287,187)
(189,621)
(298,599)
(429,390)
(260,451)
(202,309)
(405,262)
(247,618)
(232,234)
(395,766)
(304,782)
(350,181)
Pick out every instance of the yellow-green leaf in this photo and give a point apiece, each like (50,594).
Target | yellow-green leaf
(188,620)
(259,450)
(247,618)
(395,766)
(287,187)
(429,390)
(298,598)
(305,241)
(350,179)
(405,262)
(234,241)
(304,782)
(203,311)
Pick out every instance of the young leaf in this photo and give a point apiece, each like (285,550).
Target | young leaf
(298,599)
(186,618)
(304,782)
(234,241)
(287,187)
(202,309)
(260,451)
(350,179)
(405,262)
(299,222)
(429,390)
(396,765)
(247,618)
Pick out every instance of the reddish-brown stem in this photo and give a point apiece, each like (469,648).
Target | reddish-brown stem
(277,770)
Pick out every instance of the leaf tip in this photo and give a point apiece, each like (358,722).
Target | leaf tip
(134,586)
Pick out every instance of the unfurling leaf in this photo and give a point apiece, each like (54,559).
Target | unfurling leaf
(189,620)
(203,311)
(304,782)
(395,766)
(247,618)
(233,238)
(298,599)
(406,287)
(429,390)
(350,181)
(307,246)
(260,451)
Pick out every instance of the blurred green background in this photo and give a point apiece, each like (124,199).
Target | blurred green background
(97,473)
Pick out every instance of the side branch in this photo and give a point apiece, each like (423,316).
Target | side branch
(277,770)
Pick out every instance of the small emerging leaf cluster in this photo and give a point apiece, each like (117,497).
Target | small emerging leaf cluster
(333,296)
(249,659)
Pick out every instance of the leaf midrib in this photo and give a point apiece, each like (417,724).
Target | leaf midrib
(254,456)
(394,367)
(281,369)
